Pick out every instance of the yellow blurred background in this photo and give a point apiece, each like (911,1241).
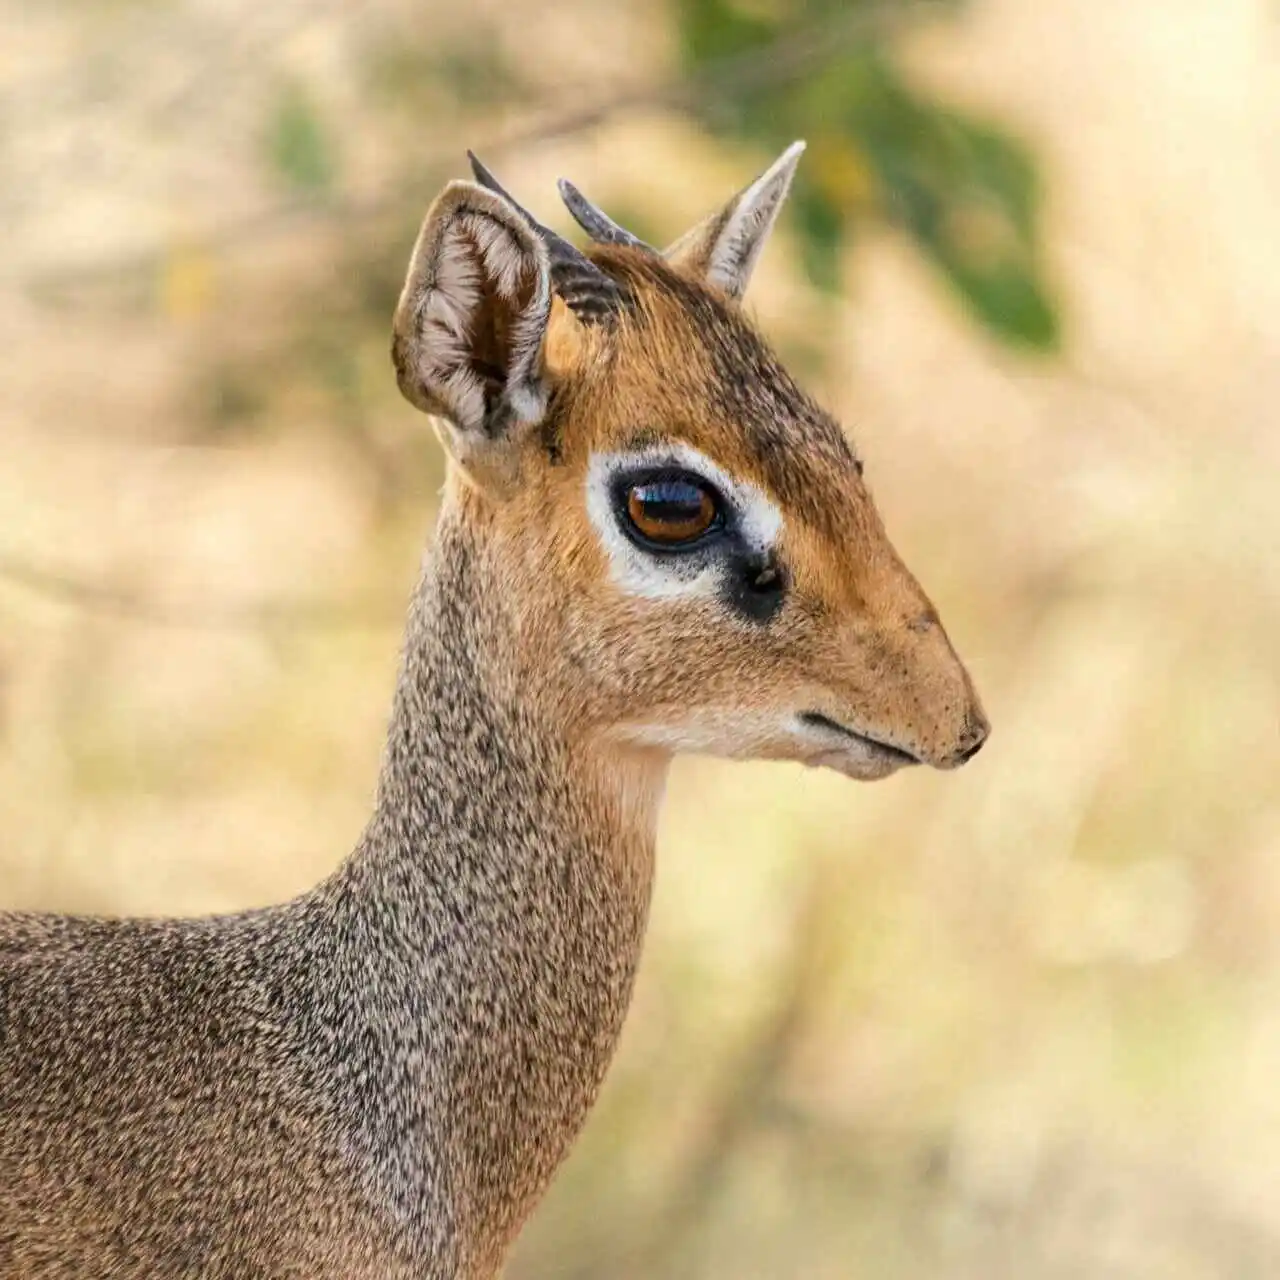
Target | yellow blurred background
(1020,1021)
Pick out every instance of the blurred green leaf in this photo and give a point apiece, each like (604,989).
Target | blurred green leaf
(1008,298)
(479,76)
(711,29)
(965,190)
(414,77)
(822,229)
(299,147)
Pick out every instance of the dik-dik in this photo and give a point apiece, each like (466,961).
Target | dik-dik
(651,541)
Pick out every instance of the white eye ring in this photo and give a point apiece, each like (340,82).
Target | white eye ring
(656,572)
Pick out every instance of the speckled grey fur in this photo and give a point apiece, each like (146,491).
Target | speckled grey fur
(376,1079)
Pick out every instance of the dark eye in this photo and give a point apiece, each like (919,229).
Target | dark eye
(672,510)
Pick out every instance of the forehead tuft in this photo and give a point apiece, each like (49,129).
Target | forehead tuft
(702,349)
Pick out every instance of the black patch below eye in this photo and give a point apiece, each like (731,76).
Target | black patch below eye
(756,586)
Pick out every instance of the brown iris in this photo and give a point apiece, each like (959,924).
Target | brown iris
(671,510)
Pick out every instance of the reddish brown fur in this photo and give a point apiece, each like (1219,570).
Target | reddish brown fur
(861,642)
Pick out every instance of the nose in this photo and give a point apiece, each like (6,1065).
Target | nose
(977,731)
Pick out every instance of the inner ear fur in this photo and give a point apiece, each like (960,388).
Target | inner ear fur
(472,319)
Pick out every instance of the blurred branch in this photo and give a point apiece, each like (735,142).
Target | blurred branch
(742,1107)
(724,80)
(745,1103)
(217,615)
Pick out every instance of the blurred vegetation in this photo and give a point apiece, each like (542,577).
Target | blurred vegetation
(880,149)
(300,148)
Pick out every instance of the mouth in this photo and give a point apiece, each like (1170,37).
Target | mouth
(882,753)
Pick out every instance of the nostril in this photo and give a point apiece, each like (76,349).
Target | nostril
(978,733)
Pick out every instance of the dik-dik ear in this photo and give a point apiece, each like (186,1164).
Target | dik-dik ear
(724,248)
(472,320)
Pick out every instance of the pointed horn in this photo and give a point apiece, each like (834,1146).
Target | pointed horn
(595,222)
(556,244)
(585,289)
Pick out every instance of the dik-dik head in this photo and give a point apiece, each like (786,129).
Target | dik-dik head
(683,540)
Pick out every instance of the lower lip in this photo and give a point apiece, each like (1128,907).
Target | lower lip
(876,750)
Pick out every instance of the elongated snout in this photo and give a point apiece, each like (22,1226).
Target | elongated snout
(943,720)
(902,688)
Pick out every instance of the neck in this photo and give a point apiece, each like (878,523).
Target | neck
(500,895)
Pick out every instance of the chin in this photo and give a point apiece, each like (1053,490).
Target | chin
(860,766)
